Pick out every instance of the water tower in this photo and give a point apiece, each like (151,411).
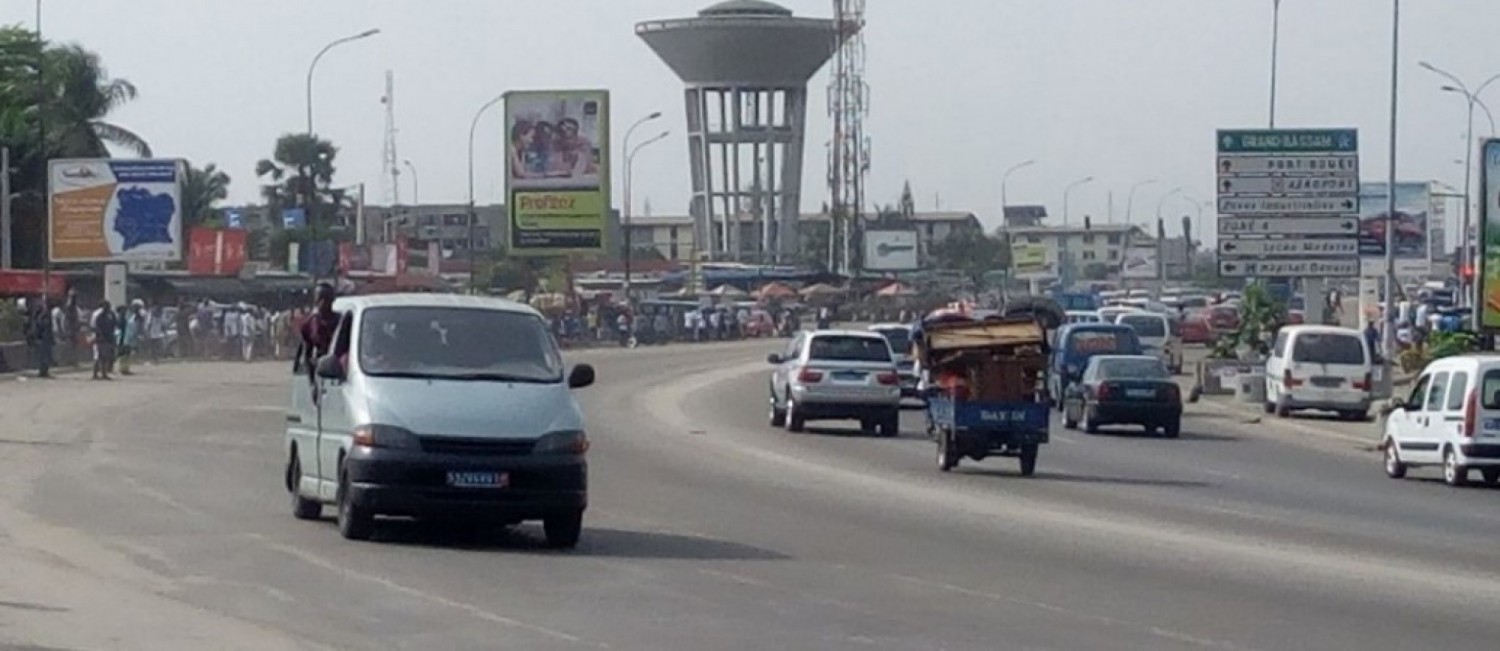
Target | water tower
(746,64)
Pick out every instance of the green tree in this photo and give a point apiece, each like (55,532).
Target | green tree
(65,91)
(300,173)
(971,252)
(201,189)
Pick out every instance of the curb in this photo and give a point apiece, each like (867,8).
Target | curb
(1367,443)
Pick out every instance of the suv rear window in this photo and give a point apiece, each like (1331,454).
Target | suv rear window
(1489,391)
(1326,348)
(1144,325)
(837,348)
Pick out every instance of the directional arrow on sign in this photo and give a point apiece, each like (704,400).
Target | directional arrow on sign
(1294,247)
(1231,226)
(1287,205)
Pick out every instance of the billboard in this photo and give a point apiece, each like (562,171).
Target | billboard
(1028,259)
(891,250)
(216,252)
(114,210)
(1489,236)
(557,171)
(1413,205)
(1140,262)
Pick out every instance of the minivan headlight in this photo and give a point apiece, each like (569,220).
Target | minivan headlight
(385,436)
(566,442)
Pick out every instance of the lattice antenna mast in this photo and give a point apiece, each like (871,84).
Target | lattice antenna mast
(390,170)
(849,152)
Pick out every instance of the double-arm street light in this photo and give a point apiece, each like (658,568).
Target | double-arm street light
(1472,98)
(630,158)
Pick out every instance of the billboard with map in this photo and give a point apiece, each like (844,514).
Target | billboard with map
(114,210)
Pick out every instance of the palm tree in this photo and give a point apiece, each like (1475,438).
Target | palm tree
(201,189)
(65,92)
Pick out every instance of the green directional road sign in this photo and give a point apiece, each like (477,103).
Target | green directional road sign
(1286,141)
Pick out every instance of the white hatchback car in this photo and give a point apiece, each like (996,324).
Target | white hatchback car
(1450,418)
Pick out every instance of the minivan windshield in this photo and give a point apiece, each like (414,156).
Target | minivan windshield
(848,348)
(1145,325)
(457,343)
(1328,348)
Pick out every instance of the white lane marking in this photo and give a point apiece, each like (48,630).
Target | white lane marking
(168,500)
(476,611)
(1071,612)
(1395,574)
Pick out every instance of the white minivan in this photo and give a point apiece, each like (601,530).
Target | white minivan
(441,406)
(1158,337)
(1451,417)
(1319,367)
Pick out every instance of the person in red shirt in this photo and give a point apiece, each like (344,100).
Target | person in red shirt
(318,329)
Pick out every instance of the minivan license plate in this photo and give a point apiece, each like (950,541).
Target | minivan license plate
(469,479)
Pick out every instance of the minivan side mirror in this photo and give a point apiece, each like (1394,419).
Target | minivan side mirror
(773,358)
(329,368)
(581,376)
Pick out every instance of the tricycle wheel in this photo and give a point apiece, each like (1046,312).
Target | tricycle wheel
(1028,459)
(947,457)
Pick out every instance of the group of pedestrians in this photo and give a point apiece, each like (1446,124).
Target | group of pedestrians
(111,338)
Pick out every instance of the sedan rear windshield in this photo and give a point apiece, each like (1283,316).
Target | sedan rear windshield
(1146,326)
(1324,348)
(837,348)
(1126,369)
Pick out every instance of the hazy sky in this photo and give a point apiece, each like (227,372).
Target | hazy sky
(1123,90)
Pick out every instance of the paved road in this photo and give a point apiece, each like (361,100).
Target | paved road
(148,514)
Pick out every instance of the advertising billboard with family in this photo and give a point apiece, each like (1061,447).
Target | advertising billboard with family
(557,171)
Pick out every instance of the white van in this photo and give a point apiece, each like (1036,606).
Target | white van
(1319,367)
(1451,417)
(1157,336)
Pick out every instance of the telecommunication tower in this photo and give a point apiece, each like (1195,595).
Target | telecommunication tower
(390,170)
(849,151)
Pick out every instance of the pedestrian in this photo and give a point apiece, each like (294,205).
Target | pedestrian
(156,333)
(232,325)
(130,334)
(317,334)
(105,326)
(67,327)
(250,331)
(1372,340)
(39,332)
(661,325)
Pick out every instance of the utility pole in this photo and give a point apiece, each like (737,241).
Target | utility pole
(5,250)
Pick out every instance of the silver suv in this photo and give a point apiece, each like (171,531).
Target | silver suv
(836,375)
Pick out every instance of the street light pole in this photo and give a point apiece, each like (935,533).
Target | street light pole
(1471,97)
(1130,200)
(1389,340)
(1275,46)
(629,175)
(625,231)
(416,195)
(1063,263)
(308,183)
(473,218)
(1004,178)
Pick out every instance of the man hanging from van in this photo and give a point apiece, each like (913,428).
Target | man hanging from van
(317,332)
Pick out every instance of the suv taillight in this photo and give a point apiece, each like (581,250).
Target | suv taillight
(809,376)
(1289,381)
(1471,413)
(888,378)
(1365,384)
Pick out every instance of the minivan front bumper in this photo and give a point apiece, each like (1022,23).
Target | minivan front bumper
(414,483)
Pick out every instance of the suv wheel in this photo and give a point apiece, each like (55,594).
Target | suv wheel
(794,420)
(778,415)
(1394,467)
(563,529)
(890,426)
(1454,473)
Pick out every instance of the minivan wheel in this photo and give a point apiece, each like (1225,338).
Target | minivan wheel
(302,508)
(1394,468)
(355,522)
(563,529)
(1453,473)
